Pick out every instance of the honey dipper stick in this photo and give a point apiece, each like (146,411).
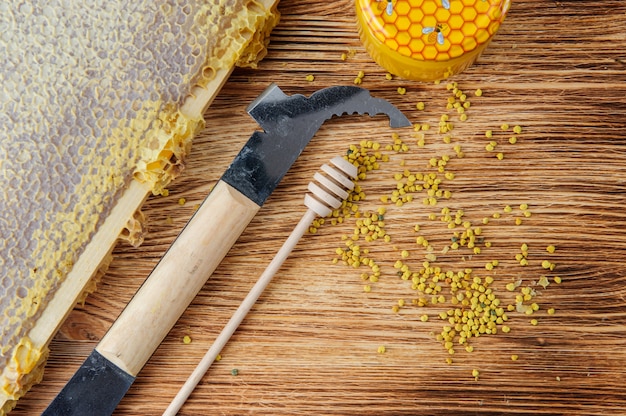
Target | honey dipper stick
(324,198)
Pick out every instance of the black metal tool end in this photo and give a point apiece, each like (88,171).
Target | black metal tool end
(95,389)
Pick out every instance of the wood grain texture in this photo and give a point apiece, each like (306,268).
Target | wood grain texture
(309,346)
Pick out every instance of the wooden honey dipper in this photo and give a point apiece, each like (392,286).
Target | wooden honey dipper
(327,194)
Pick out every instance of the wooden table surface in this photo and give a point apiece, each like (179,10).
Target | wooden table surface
(310,345)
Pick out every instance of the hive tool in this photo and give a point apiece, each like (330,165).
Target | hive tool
(288,123)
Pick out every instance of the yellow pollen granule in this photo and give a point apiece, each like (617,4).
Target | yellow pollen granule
(475,308)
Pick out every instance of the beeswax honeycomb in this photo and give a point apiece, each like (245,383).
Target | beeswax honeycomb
(90,94)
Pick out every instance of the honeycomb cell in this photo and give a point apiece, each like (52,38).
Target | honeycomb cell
(403,24)
(469,14)
(430,52)
(417,44)
(391,32)
(493,27)
(494,14)
(469,44)
(415,31)
(456,22)
(393,44)
(416,15)
(456,50)
(442,15)
(456,7)
(482,21)
(469,29)
(404,49)
(455,37)
(484,7)
(404,39)
(402,8)
(429,7)
(429,21)
(481,36)
(389,18)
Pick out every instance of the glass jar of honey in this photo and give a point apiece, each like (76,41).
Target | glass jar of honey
(428,40)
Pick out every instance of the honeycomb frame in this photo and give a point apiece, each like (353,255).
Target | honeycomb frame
(90,102)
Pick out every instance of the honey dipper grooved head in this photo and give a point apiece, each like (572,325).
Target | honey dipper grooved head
(329,190)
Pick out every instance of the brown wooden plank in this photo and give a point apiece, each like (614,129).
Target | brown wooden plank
(310,344)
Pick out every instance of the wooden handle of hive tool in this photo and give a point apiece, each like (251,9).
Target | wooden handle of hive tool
(177,278)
